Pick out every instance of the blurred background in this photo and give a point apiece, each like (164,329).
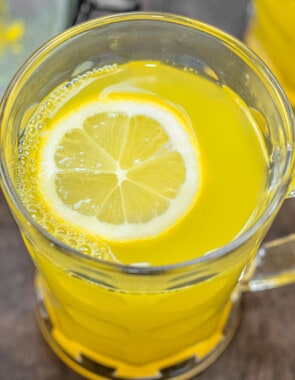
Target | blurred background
(26,24)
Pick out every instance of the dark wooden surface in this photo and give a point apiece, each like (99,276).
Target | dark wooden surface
(264,346)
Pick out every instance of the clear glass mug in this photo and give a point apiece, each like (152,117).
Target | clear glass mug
(91,312)
(271,34)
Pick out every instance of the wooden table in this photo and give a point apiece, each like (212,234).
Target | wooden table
(264,346)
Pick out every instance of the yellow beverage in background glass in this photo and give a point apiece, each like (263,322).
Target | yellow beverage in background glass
(139,332)
(271,35)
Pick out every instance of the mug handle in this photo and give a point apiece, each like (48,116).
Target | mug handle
(273,266)
(274,263)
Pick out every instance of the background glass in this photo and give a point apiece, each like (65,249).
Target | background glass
(271,34)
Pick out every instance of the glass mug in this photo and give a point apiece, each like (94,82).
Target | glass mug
(271,35)
(107,320)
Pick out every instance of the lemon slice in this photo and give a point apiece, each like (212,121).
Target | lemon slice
(123,169)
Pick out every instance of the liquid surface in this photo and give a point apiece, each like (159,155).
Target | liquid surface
(233,163)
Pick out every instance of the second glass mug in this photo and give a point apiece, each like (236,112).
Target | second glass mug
(107,320)
(270,34)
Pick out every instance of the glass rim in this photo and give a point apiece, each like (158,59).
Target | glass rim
(230,42)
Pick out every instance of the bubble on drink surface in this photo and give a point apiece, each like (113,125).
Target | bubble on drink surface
(82,67)
(27,183)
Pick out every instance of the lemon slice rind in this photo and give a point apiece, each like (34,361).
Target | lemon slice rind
(182,140)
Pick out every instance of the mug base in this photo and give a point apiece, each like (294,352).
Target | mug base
(94,370)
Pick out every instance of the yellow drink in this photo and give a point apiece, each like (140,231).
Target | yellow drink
(271,35)
(137,331)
